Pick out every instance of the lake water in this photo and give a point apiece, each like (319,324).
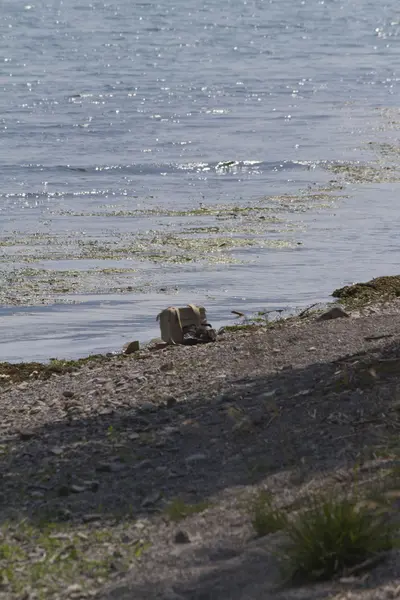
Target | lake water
(158,153)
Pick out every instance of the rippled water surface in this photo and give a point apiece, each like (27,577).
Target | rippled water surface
(240,154)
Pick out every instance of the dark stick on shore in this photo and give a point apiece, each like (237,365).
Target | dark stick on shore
(306,310)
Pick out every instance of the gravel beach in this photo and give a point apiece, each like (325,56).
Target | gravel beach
(132,476)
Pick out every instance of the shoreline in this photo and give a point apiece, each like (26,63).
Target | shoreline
(95,286)
(133,476)
(373,295)
(40,369)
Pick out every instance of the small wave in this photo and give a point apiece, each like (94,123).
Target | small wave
(220,168)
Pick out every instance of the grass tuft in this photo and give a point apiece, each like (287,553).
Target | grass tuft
(333,535)
(329,537)
(266,517)
(178,509)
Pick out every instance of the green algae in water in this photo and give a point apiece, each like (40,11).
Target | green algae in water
(184,259)
(226,234)
(212,211)
(207,249)
(29,286)
(385,149)
(365,173)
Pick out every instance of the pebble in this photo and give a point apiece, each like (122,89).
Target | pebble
(351,580)
(91,518)
(26,435)
(336,312)
(171,430)
(68,394)
(142,422)
(63,490)
(195,458)
(64,514)
(110,467)
(93,486)
(267,395)
(144,464)
(77,489)
(171,401)
(181,537)
(224,399)
(75,587)
(125,539)
(60,536)
(106,412)
(302,393)
(161,470)
(147,407)
(169,366)
(131,347)
(57,450)
(37,494)
(151,499)
(171,595)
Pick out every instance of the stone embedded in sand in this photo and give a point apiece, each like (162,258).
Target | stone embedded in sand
(27,435)
(93,486)
(77,489)
(131,347)
(181,537)
(333,313)
(147,407)
(167,367)
(64,514)
(63,490)
(110,467)
(151,499)
(144,464)
(37,494)
(57,450)
(73,589)
(100,381)
(91,517)
(171,401)
(194,458)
